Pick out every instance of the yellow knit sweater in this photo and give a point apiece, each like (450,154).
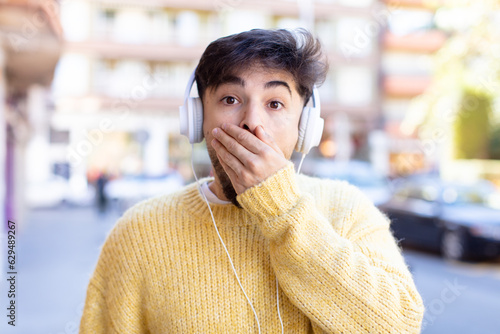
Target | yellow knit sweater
(163,269)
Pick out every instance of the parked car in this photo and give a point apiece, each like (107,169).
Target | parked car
(56,190)
(462,221)
(47,193)
(130,189)
(358,173)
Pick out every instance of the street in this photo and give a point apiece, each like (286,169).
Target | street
(58,249)
(459,297)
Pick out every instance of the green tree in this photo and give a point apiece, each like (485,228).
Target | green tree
(472,125)
(495,143)
(466,81)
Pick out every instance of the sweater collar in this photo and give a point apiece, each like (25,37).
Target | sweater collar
(210,196)
(224,214)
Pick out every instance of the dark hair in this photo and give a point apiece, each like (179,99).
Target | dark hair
(298,53)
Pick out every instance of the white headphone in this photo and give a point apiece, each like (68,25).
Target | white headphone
(310,126)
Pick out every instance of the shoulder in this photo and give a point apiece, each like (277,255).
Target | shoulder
(345,205)
(333,190)
(152,207)
(136,234)
(146,216)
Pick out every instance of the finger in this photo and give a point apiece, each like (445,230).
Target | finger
(233,146)
(266,138)
(244,137)
(231,173)
(226,157)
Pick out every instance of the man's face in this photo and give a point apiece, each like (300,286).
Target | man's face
(253,97)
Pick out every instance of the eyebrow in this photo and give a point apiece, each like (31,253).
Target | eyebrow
(277,83)
(232,79)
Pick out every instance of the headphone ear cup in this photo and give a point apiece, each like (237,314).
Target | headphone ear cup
(184,121)
(310,130)
(304,119)
(197,119)
(191,117)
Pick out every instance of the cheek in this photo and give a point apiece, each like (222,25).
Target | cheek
(208,126)
(207,130)
(287,134)
(209,123)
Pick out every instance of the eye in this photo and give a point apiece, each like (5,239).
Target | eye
(229,100)
(275,105)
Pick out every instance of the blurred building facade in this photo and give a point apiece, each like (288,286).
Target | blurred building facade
(121,76)
(125,65)
(409,42)
(30,45)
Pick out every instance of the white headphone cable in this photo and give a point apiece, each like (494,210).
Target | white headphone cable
(278,305)
(301,161)
(220,238)
(227,252)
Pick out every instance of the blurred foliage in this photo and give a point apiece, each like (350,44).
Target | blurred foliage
(466,76)
(495,143)
(472,126)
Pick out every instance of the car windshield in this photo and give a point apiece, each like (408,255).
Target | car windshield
(480,193)
(476,195)
(362,180)
(360,174)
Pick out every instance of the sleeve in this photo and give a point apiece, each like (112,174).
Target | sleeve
(114,302)
(355,283)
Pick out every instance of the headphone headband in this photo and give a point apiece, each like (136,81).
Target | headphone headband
(315,97)
(189,85)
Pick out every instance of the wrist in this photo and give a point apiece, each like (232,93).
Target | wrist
(273,197)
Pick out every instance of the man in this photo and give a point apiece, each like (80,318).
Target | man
(321,243)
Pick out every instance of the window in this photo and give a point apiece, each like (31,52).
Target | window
(187,28)
(355,85)
(356,38)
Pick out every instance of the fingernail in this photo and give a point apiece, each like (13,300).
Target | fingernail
(223,126)
(214,131)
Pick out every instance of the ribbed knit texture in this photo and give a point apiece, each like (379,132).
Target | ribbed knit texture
(163,269)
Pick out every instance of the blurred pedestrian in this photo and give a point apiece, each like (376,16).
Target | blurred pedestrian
(102,200)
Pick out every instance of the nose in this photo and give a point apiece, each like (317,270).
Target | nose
(252,117)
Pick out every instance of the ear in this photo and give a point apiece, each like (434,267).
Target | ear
(311,126)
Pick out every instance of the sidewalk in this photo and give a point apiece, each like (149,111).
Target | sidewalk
(56,255)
